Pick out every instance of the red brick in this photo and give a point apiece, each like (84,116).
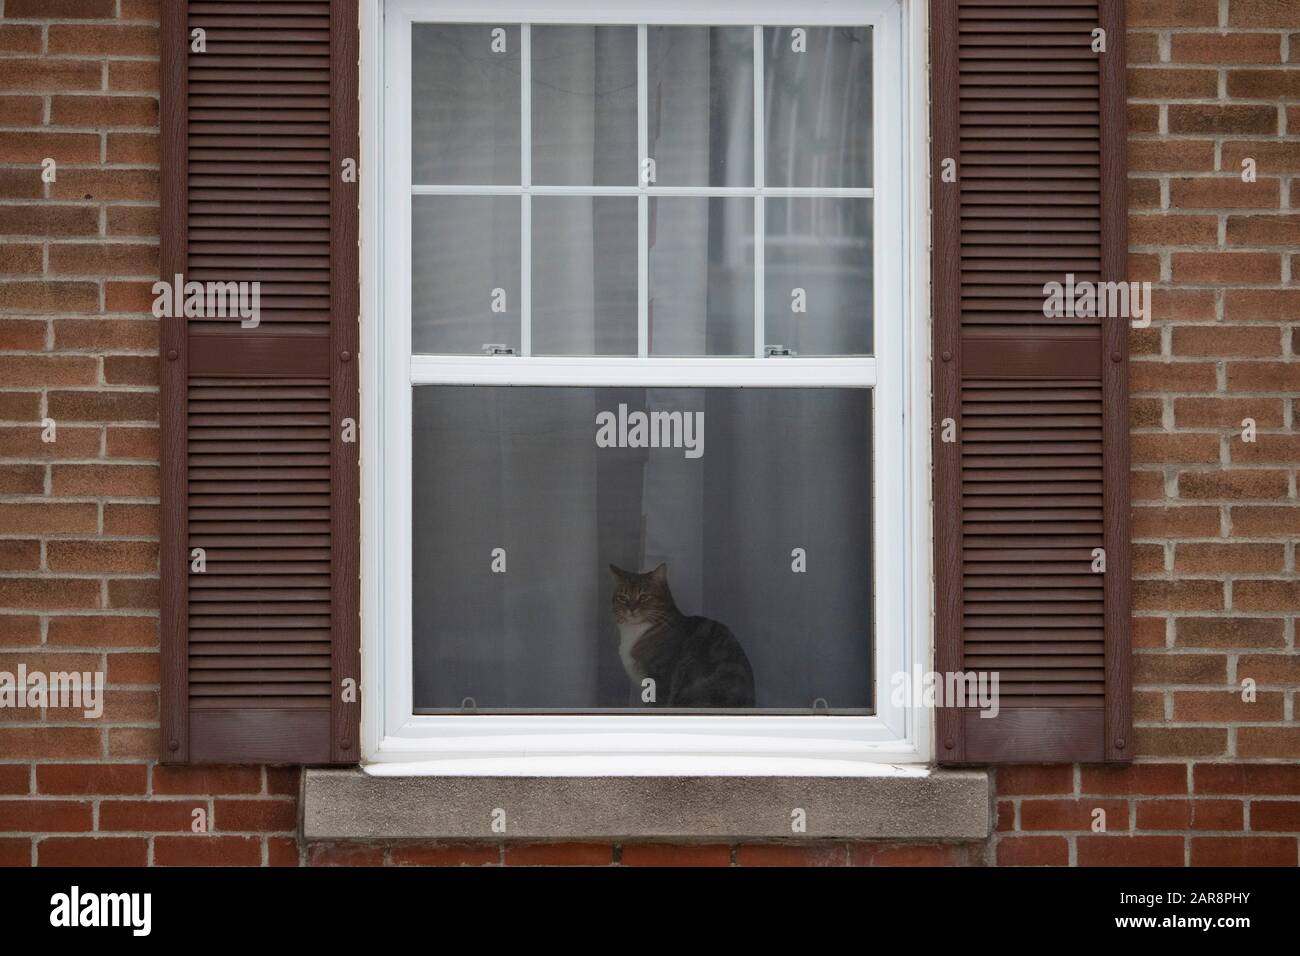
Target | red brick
(895,854)
(1146,485)
(1260,305)
(103,39)
(1227,558)
(1232,484)
(133,221)
(1165,523)
(107,185)
(345,855)
(52,816)
(132,443)
(105,334)
(1263,13)
(1153,377)
(1129,850)
(1271,668)
(20,555)
(1264,376)
(124,481)
(1157,595)
(50,593)
(1172,13)
(1034,780)
(1228,632)
(106,556)
(133,593)
(1227,267)
(207,851)
(86,779)
(654,854)
(92,851)
(45,370)
(1172,229)
(1165,447)
(103,631)
(147,816)
(104,112)
(1236,118)
(1144,779)
(1276,815)
(1265,448)
(1246,778)
(19,630)
(1243,851)
(1072,814)
(130,370)
(1180,741)
(48,73)
(1143,118)
(15,778)
(1160,155)
(20,38)
(1229,192)
(1226,341)
(210,780)
(282,851)
(48,297)
(560,854)
(789,855)
(1265,522)
(1033,851)
(1165,83)
(134,75)
(15,852)
(45,220)
(458,855)
(1148,632)
(1189,815)
(1226,48)
(256,816)
(46,518)
(1199,707)
(1266,595)
(136,149)
(130,519)
(100,259)
(48,743)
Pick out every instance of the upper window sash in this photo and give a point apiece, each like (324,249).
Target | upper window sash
(857,370)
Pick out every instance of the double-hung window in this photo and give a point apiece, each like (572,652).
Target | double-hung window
(640,491)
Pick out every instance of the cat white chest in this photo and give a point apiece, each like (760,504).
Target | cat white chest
(628,635)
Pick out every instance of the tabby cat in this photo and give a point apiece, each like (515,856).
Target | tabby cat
(694,661)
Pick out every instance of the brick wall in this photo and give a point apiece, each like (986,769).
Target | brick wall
(1217,780)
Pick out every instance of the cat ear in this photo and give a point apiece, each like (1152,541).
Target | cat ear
(618,572)
(660,574)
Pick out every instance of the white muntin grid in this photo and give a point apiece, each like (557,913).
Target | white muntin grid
(757,370)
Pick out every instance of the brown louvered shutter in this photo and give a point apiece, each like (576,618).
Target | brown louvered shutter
(259,104)
(1037,477)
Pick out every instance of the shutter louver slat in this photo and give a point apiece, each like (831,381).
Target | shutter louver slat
(1036,479)
(257,645)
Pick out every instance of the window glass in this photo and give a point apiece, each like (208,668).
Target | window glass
(754,502)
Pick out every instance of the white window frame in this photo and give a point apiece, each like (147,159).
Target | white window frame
(397,741)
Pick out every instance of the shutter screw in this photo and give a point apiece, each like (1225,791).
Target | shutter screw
(1115,356)
(172,355)
(1119,744)
(948,743)
(946,356)
(173,745)
(345,745)
(345,356)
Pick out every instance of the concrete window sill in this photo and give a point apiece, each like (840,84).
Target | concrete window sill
(935,805)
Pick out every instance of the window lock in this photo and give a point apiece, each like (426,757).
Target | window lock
(494,349)
(775,350)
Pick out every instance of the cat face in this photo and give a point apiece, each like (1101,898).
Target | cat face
(641,598)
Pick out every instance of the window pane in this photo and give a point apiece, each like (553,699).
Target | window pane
(465,125)
(584,275)
(464,273)
(584,106)
(701,96)
(756,502)
(818,109)
(818,275)
(701,276)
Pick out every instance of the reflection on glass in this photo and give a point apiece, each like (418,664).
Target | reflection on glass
(584,105)
(752,505)
(818,269)
(584,275)
(701,276)
(465,126)
(818,106)
(465,273)
(701,105)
